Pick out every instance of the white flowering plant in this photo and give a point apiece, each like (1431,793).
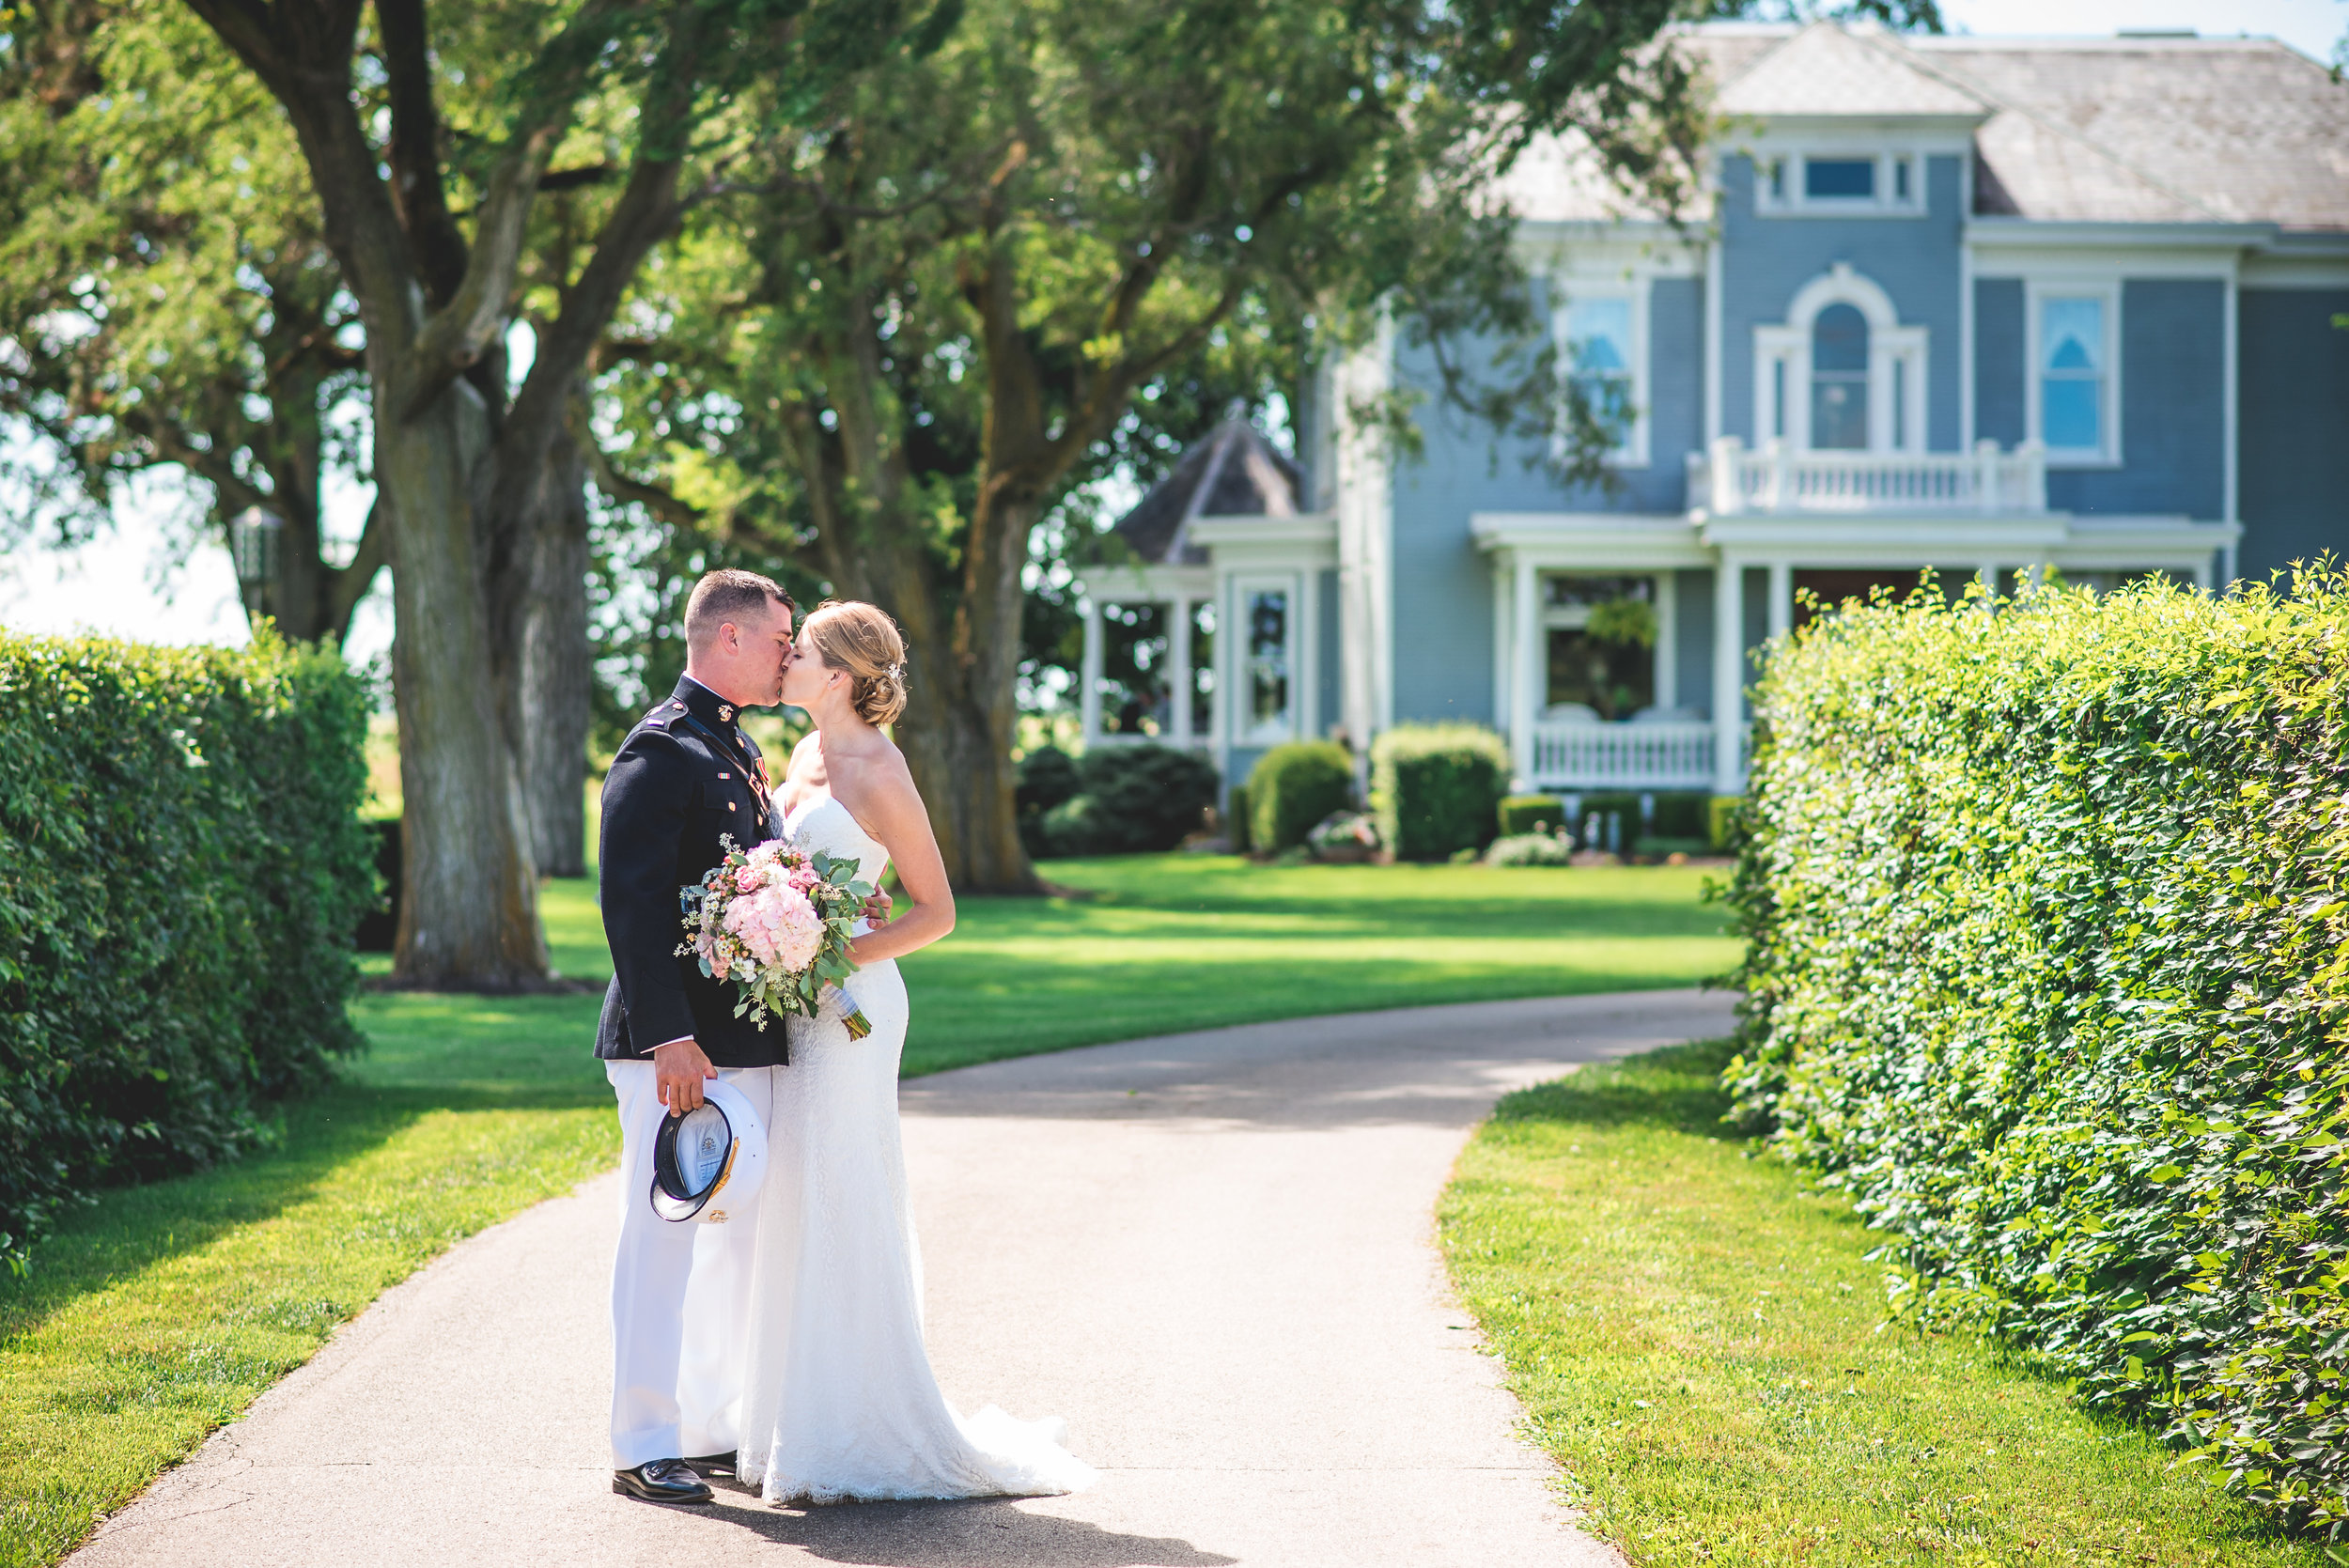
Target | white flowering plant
(777,925)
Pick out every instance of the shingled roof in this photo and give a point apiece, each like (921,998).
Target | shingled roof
(2120,130)
(1233,472)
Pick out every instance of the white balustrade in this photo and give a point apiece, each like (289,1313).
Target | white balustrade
(1623,757)
(1778,479)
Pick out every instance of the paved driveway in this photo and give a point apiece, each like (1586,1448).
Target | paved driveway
(1211,1252)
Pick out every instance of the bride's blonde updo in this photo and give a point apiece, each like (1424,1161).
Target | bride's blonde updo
(857,637)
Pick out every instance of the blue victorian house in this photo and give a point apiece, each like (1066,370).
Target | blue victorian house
(1991,306)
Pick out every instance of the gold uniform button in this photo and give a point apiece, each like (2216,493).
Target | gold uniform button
(729,805)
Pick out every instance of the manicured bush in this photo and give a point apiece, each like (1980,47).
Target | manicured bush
(1132,800)
(1236,822)
(1438,788)
(1522,814)
(2049,967)
(1293,787)
(1044,778)
(182,868)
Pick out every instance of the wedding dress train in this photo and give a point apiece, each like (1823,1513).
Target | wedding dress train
(840,1402)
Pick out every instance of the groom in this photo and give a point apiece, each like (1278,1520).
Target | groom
(685,778)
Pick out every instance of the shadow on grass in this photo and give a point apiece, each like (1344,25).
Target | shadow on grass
(128,1229)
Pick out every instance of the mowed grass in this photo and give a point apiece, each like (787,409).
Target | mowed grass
(159,1313)
(1694,1333)
(1156,944)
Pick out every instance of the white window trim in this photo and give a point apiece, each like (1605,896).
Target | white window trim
(1884,204)
(1664,668)
(1893,349)
(2036,290)
(1240,694)
(1634,452)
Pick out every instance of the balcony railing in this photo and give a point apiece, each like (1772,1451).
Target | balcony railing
(1623,757)
(1987,482)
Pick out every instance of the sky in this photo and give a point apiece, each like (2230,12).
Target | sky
(129,581)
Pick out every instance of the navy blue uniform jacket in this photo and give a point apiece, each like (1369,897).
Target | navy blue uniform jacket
(676,788)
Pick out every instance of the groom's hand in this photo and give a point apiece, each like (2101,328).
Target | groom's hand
(678,1069)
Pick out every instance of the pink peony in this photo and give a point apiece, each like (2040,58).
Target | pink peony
(749,878)
(778,924)
(804,878)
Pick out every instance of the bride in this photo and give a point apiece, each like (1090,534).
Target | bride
(840,1403)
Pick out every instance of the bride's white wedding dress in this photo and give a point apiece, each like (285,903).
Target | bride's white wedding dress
(840,1402)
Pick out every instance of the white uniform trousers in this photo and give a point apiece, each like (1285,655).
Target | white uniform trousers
(680,1295)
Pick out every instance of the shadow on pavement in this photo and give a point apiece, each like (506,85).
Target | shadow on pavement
(972,1534)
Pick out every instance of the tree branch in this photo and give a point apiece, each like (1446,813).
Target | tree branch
(414,154)
(668,507)
(347,585)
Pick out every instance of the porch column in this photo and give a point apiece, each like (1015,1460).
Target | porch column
(1987,574)
(1729,665)
(1178,673)
(1089,674)
(1525,631)
(1781,598)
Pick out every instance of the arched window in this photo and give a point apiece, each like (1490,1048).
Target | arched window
(1839,380)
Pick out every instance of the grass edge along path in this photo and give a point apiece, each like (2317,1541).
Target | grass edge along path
(1693,1332)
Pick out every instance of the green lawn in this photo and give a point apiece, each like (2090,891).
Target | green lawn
(159,1314)
(1694,1334)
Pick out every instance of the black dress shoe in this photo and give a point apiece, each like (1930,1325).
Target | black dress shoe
(662,1480)
(714,1464)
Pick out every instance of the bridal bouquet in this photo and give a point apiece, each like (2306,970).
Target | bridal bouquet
(777,924)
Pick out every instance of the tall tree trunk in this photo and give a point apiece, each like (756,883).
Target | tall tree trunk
(548,694)
(469,896)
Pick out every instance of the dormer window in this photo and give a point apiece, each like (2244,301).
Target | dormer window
(1818,184)
(1839,179)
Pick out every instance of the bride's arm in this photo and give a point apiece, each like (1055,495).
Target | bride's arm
(893,810)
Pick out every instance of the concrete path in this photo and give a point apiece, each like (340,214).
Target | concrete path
(1211,1252)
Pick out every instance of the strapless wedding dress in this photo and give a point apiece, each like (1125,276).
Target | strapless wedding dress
(840,1403)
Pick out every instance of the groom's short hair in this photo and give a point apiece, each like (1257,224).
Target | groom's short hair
(730,593)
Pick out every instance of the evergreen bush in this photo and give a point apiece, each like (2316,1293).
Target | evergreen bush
(1293,787)
(2049,967)
(1438,788)
(1131,799)
(1236,822)
(183,869)
(1043,779)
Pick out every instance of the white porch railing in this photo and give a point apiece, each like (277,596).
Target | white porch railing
(1623,757)
(1731,481)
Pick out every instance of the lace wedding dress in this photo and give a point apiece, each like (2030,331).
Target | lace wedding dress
(840,1402)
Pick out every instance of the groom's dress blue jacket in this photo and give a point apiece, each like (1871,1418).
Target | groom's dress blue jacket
(681,783)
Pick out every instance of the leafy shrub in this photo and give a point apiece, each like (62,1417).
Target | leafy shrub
(1293,787)
(378,925)
(1236,822)
(1133,800)
(1522,814)
(1721,821)
(2049,967)
(1530,849)
(1044,778)
(181,870)
(1438,788)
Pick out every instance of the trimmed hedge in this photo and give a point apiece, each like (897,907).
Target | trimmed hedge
(1293,787)
(181,870)
(1131,799)
(1438,788)
(1045,778)
(1524,814)
(1235,819)
(2048,915)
